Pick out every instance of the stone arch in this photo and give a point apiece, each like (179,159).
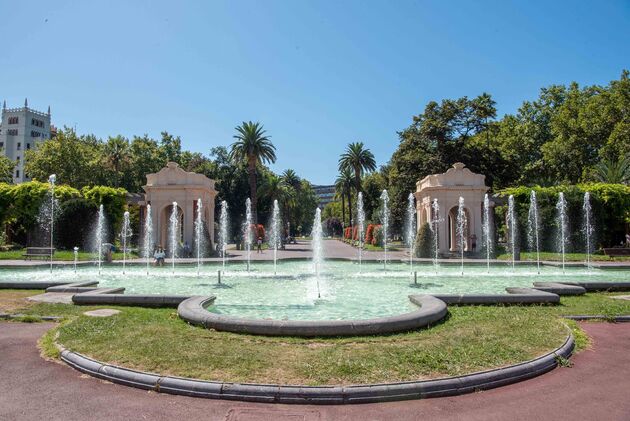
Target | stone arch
(453,242)
(165,216)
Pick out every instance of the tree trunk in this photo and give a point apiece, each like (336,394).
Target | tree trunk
(357,179)
(343,213)
(251,170)
(350,206)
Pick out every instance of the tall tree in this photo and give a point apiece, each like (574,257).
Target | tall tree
(358,159)
(343,186)
(610,171)
(254,147)
(116,156)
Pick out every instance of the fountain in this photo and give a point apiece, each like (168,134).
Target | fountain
(588,228)
(385,223)
(223,232)
(247,230)
(52,179)
(148,237)
(174,222)
(410,228)
(563,226)
(316,234)
(512,229)
(462,222)
(199,233)
(361,226)
(100,236)
(76,257)
(487,230)
(533,228)
(274,233)
(125,234)
(435,221)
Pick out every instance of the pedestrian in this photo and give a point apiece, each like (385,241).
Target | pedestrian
(259,244)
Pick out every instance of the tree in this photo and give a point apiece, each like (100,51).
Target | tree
(358,159)
(343,186)
(6,169)
(171,146)
(116,157)
(253,147)
(75,159)
(614,172)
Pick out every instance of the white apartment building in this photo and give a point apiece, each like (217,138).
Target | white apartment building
(20,130)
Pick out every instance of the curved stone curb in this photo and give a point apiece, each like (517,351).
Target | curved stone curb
(514,296)
(111,296)
(431,310)
(274,393)
(603,286)
(31,284)
(560,288)
(625,318)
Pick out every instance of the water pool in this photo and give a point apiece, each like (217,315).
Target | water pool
(294,293)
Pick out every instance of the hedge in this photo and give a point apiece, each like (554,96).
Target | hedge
(610,205)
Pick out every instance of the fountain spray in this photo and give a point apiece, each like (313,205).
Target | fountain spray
(76,257)
(410,230)
(563,226)
(588,227)
(223,231)
(274,235)
(52,179)
(198,233)
(174,221)
(148,237)
(487,229)
(124,235)
(511,224)
(461,229)
(100,228)
(533,226)
(385,223)
(361,226)
(316,234)
(435,220)
(247,230)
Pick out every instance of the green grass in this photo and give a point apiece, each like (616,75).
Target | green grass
(569,257)
(473,338)
(59,255)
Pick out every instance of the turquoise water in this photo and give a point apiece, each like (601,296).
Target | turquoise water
(341,292)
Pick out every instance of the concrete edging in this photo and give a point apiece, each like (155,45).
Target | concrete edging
(324,395)
(431,310)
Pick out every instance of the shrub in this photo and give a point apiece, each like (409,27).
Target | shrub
(369,234)
(74,226)
(377,237)
(424,241)
(333,226)
(114,201)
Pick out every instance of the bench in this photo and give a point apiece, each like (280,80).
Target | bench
(617,251)
(38,252)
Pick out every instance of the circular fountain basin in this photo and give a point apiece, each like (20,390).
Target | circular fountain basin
(340,293)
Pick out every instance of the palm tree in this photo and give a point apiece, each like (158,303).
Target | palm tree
(609,171)
(116,154)
(253,147)
(290,178)
(358,159)
(343,185)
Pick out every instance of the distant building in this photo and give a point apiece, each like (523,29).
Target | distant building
(325,195)
(20,130)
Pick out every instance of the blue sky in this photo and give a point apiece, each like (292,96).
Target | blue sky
(317,74)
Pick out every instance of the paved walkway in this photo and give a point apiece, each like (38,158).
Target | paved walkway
(596,388)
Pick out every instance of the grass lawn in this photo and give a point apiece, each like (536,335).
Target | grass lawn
(59,255)
(569,257)
(473,338)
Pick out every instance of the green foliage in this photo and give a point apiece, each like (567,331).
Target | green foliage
(378,236)
(424,242)
(357,159)
(114,202)
(610,206)
(6,168)
(75,224)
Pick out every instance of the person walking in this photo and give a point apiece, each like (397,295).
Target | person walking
(259,244)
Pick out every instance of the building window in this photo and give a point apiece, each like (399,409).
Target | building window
(17,173)
(28,146)
(19,146)
(36,122)
(1,145)
(13,120)
(12,132)
(35,134)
